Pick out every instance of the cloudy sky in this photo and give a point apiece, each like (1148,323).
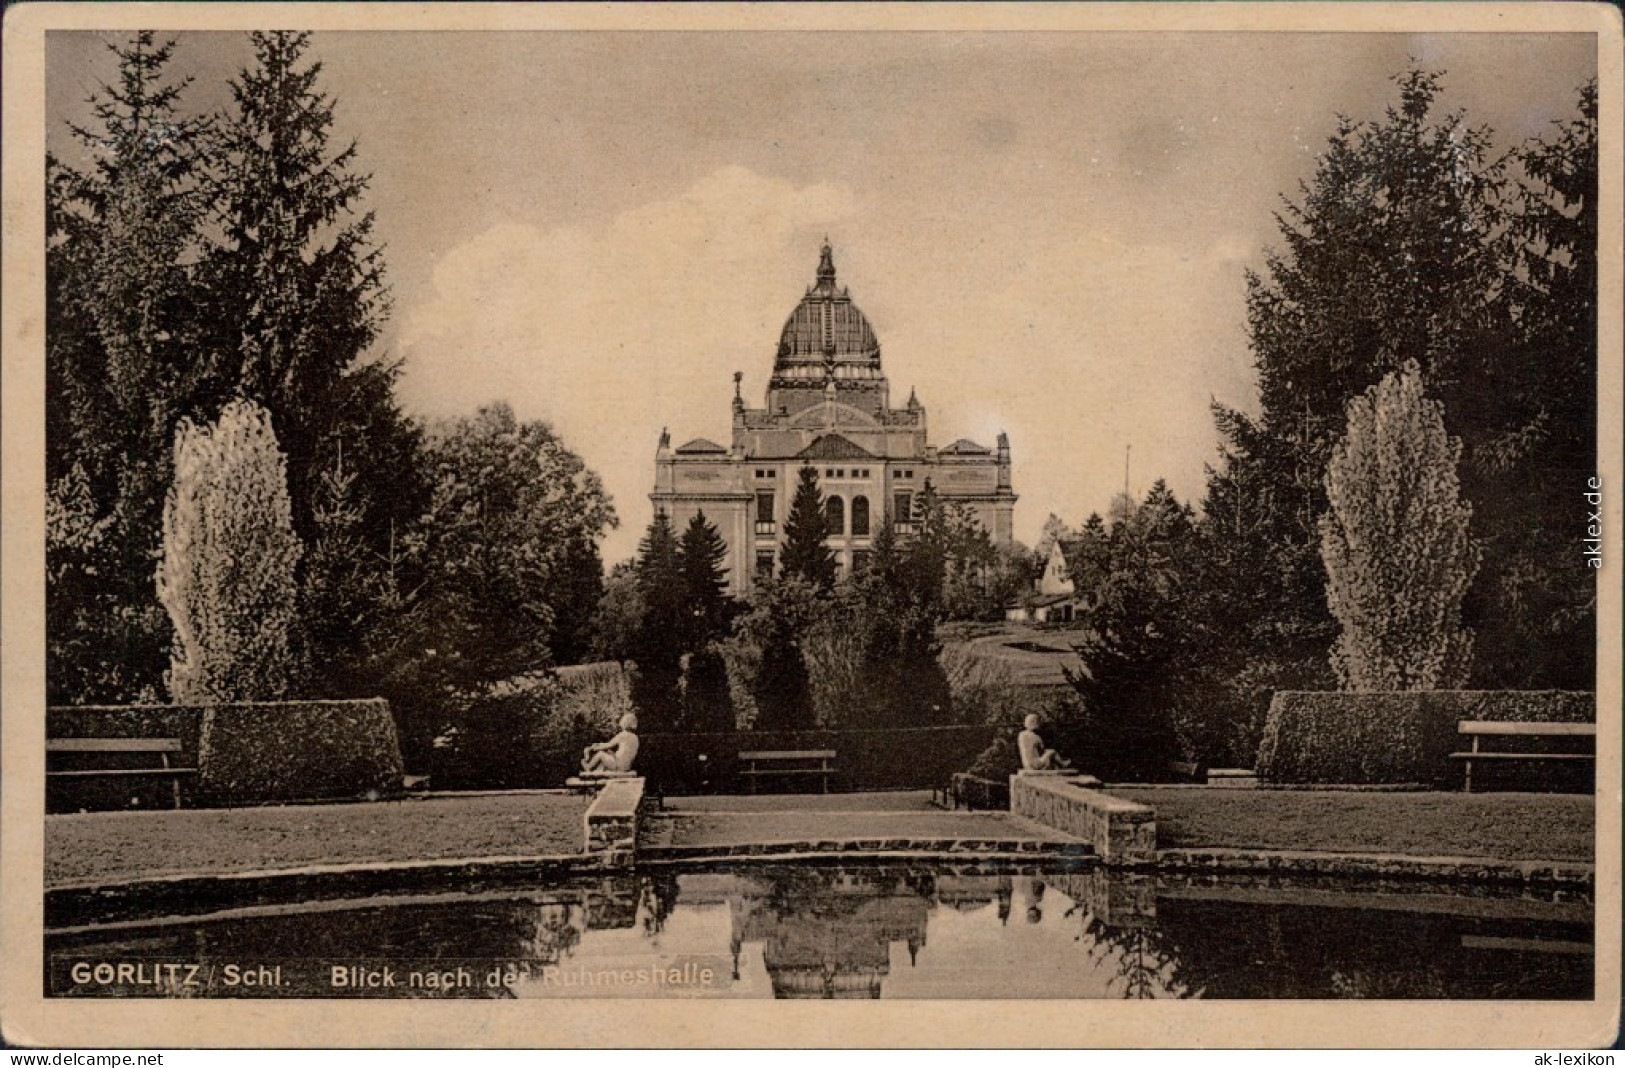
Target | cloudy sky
(1049,232)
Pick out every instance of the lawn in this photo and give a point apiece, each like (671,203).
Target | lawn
(1510,826)
(113,846)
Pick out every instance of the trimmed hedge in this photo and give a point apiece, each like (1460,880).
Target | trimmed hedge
(272,751)
(246,753)
(904,759)
(1357,738)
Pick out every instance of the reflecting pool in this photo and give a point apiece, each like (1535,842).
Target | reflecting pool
(865,931)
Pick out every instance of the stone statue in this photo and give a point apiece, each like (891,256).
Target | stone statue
(1034,757)
(615,755)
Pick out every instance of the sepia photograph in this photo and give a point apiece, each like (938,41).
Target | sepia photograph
(512,507)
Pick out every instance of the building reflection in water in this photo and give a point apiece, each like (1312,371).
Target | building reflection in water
(811,931)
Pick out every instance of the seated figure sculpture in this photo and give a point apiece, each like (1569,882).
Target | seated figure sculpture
(615,755)
(1034,757)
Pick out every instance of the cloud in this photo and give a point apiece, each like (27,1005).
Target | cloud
(1077,342)
(610,333)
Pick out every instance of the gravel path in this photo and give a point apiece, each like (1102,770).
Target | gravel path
(733,828)
(114,846)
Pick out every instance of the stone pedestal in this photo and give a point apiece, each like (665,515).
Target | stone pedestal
(1121,832)
(612,820)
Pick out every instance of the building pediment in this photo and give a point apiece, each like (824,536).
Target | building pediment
(965,447)
(835,447)
(700,447)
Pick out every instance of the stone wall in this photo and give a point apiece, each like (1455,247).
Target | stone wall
(1121,832)
(612,821)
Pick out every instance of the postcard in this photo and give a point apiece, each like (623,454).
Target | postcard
(1088,525)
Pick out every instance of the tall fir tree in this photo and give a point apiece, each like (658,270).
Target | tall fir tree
(120,337)
(707,705)
(806,553)
(296,298)
(701,557)
(1533,607)
(660,643)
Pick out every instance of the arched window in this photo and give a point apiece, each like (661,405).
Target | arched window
(860,517)
(834,516)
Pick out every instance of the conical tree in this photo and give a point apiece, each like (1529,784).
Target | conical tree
(294,300)
(297,284)
(659,645)
(806,556)
(227,573)
(701,557)
(1396,542)
(707,705)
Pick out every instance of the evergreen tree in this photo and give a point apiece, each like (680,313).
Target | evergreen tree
(782,689)
(806,555)
(228,564)
(1533,606)
(578,587)
(660,643)
(119,369)
(903,683)
(295,299)
(1399,555)
(1131,688)
(707,705)
(704,582)
(1387,252)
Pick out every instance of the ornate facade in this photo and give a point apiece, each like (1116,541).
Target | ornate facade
(828,404)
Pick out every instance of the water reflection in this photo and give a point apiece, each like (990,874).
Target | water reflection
(862,932)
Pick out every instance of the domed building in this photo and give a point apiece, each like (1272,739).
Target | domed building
(828,404)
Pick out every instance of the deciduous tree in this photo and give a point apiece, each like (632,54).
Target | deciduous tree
(227,573)
(1396,541)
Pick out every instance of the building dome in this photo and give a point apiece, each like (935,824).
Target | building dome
(826,327)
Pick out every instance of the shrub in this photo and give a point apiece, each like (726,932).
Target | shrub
(986,689)
(1393,737)
(297,751)
(229,554)
(1399,555)
(528,733)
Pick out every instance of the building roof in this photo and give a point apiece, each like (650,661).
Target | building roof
(965,447)
(826,325)
(834,447)
(700,445)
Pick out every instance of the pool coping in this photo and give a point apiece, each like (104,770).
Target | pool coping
(1480,870)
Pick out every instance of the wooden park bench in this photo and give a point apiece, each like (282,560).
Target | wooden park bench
(163,748)
(755,765)
(1479,730)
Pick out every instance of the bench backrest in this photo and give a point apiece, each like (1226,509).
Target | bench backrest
(789,754)
(1527,730)
(113,745)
